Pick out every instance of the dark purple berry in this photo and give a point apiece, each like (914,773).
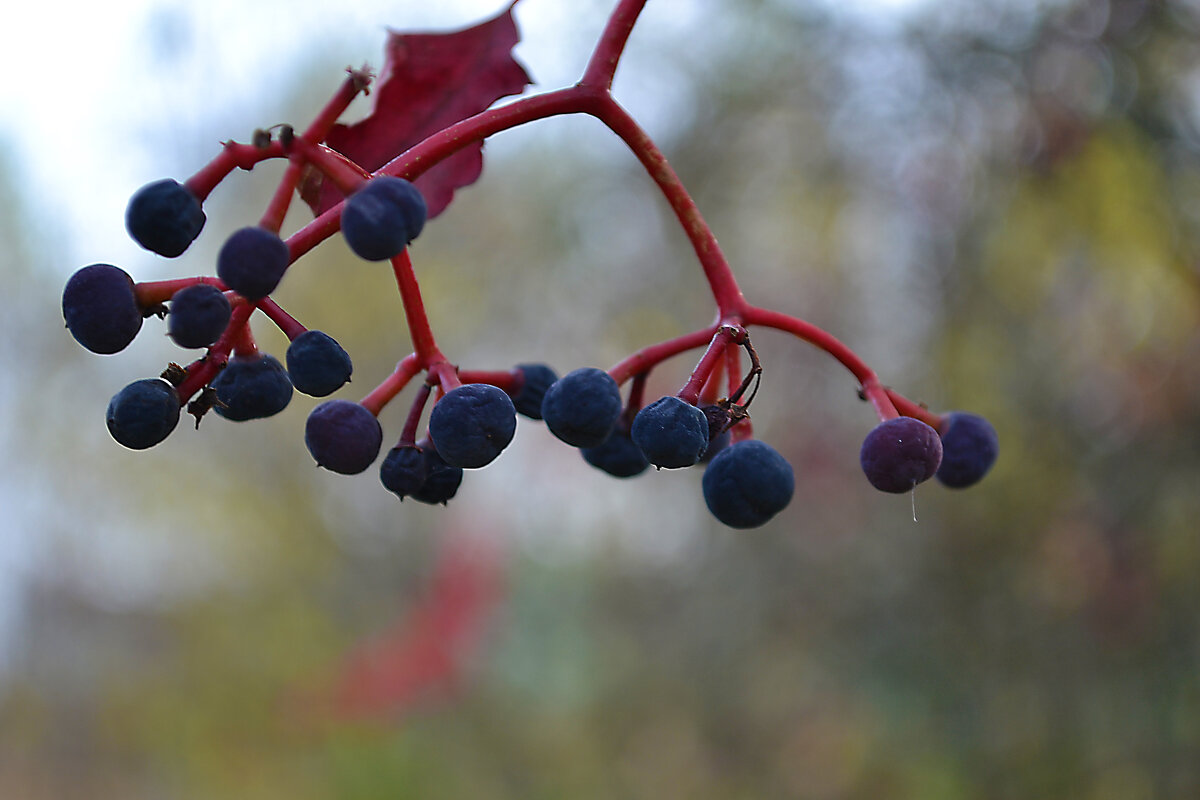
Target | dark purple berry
(617,455)
(164,217)
(252,262)
(100,308)
(472,424)
(343,436)
(969,448)
(317,364)
(671,432)
(899,453)
(582,407)
(143,413)
(535,380)
(441,479)
(252,387)
(198,315)
(382,217)
(404,470)
(747,483)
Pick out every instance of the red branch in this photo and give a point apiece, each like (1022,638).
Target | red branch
(281,201)
(591,96)
(424,344)
(872,389)
(724,336)
(603,63)
(385,392)
(151,293)
(507,380)
(232,156)
(728,296)
(202,371)
(647,358)
(408,436)
(357,80)
(287,324)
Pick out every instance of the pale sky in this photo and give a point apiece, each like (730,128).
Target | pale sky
(92,98)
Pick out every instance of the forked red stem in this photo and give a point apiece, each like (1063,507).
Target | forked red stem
(591,96)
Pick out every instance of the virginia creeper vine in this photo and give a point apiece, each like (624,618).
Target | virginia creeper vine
(723,340)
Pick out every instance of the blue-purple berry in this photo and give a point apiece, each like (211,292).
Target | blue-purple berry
(535,380)
(343,436)
(969,449)
(383,217)
(441,479)
(252,387)
(900,453)
(747,484)
(317,364)
(671,432)
(198,315)
(143,413)
(404,470)
(252,262)
(617,455)
(472,424)
(164,217)
(101,309)
(581,408)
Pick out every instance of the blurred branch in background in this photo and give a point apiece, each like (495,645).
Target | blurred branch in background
(427,653)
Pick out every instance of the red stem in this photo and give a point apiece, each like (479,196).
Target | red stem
(712,386)
(423,341)
(246,156)
(385,392)
(743,429)
(581,99)
(445,375)
(603,63)
(413,421)
(151,293)
(507,380)
(910,409)
(690,393)
(647,358)
(272,218)
(358,81)
(590,96)
(872,389)
(203,370)
(243,343)
(346,175)
(730,302)
(231,157)
(286,323)
(421,157)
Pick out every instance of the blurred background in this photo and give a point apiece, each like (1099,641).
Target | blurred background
(994,204)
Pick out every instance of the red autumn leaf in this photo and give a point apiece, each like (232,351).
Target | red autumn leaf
(429,81)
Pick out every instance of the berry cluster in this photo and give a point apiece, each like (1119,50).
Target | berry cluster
(746,482)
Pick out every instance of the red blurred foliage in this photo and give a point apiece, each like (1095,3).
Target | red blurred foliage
(425,654)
